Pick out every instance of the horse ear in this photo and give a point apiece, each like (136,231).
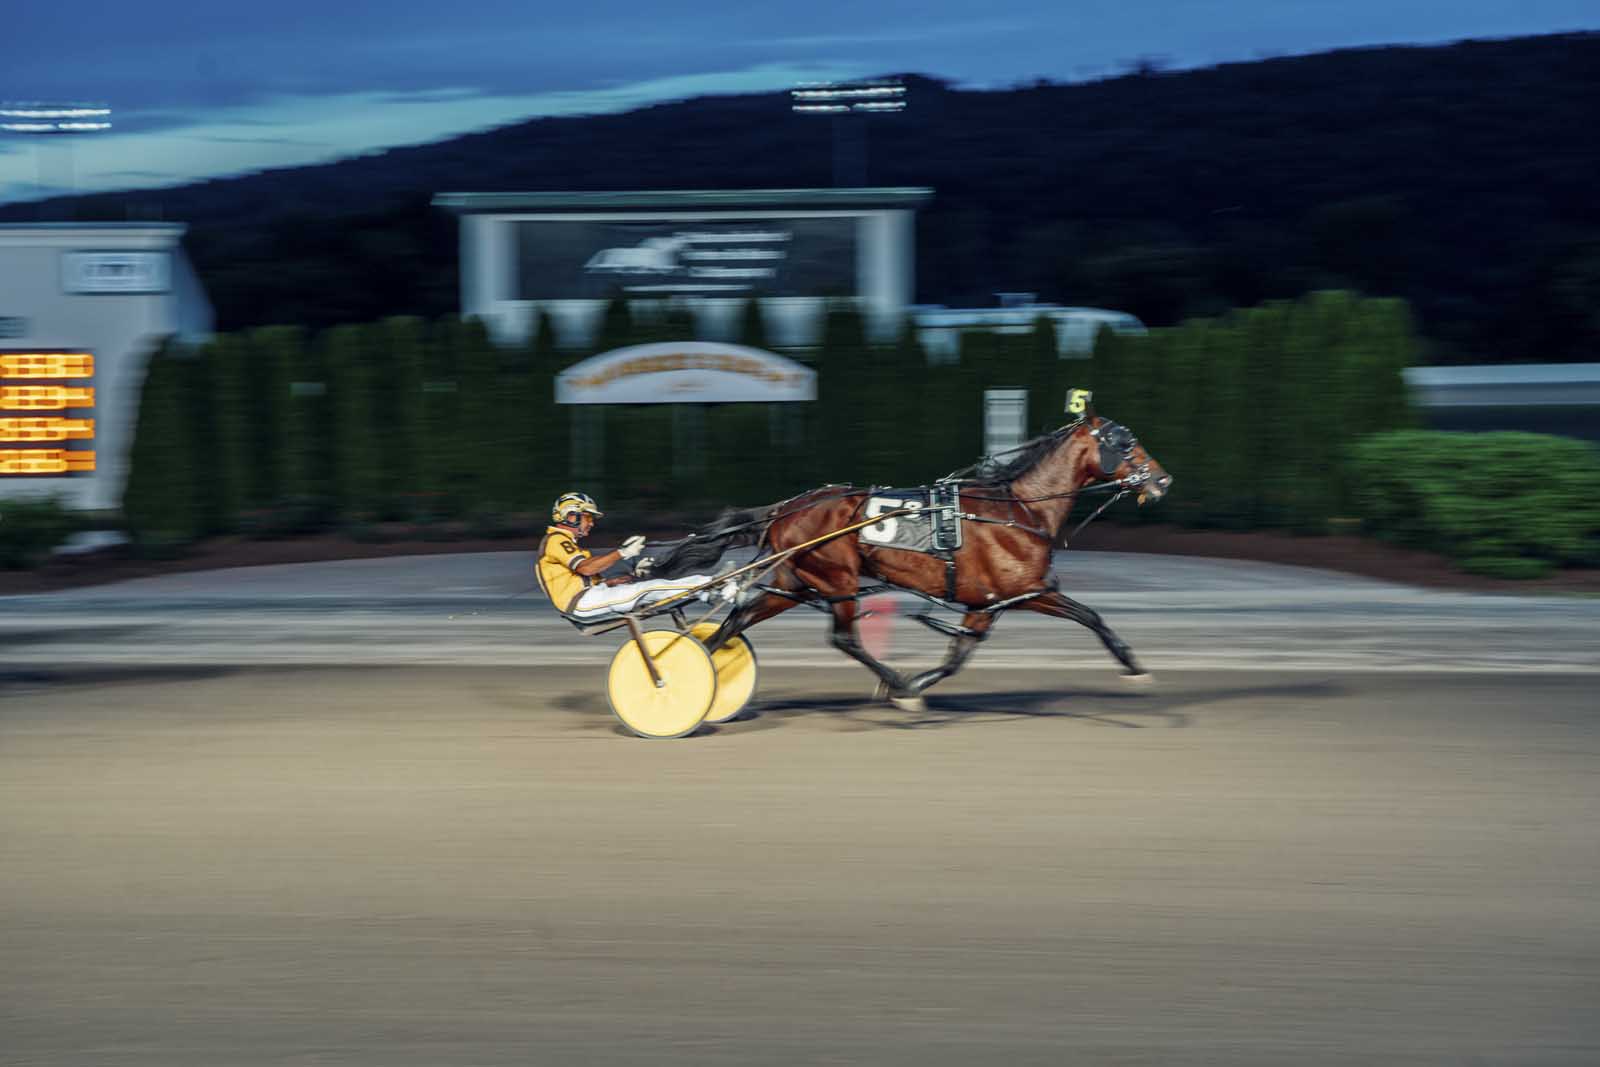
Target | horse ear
(1079,403)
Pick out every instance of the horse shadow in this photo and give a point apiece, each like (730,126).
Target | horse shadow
(1172,709)
(22,681)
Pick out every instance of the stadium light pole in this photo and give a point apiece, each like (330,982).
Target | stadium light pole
(54,120)
(842,101)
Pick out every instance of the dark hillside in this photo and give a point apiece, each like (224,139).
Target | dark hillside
(1459,177)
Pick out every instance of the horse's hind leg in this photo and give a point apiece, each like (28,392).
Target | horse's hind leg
(961,648)
(846,640)
(1063,607)
(747,615)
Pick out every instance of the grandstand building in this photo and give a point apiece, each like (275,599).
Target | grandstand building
(570,254)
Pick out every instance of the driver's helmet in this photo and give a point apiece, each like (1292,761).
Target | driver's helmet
(569,506)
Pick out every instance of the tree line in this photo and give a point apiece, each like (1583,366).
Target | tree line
(278,431)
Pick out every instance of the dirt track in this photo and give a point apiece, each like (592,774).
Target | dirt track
(433,866)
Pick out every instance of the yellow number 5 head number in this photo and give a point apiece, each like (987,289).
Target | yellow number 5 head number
(1078,401)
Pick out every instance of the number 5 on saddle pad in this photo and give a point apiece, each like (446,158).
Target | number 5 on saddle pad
(934,528)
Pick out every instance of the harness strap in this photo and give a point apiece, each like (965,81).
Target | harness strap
(1066,540)
(1013,601)
(1038,532)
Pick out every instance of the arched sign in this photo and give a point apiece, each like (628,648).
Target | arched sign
(686,372)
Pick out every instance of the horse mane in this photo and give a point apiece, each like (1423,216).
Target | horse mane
(1025,457)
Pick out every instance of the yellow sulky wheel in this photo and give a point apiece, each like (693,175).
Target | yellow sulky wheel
(678,706)
(736,673)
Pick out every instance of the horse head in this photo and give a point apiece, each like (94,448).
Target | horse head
(1120,458)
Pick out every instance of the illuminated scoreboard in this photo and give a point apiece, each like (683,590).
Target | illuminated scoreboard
(46,408)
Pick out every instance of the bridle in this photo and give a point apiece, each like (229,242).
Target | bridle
(1120,438)
(1117,440)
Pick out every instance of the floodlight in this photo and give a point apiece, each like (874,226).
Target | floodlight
(840,99)
(54,118)
(58,123)
(836,98)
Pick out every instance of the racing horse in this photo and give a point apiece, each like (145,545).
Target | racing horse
(1011,515)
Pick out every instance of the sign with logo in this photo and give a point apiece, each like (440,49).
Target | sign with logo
(579,259)
(116,272)
(688,372)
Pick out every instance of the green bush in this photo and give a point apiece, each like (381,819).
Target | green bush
(1510,504)
(1507,566)
(29,529)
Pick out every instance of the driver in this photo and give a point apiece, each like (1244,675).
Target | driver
(571,576)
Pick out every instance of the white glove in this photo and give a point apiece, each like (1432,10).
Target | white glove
(631,547)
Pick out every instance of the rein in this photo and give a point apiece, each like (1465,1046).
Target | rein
(773,516)
(1118,487)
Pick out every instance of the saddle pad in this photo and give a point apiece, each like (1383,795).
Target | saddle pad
(916,532)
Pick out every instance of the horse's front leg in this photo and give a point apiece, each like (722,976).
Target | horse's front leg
(961,648)
(1064,607)
(846,640)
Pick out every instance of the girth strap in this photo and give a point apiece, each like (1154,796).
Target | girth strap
(944,506)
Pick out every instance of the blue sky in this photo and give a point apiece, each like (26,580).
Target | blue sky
(202,90)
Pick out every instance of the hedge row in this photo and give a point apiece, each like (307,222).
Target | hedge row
(274,432)
(1511,505)
(1252,413)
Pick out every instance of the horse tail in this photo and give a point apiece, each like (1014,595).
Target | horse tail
(701,550)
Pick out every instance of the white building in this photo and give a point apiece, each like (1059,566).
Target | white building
(1558,398)
(940,328)
(82,307)
(570,254)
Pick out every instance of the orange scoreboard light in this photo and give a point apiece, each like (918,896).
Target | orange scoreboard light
(46,400)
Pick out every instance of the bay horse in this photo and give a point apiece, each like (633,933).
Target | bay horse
(1011,518)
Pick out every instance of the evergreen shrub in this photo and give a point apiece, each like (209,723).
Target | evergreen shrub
(1508,504)
(29,529)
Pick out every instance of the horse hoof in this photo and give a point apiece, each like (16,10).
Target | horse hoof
(1139,680)
(909,703)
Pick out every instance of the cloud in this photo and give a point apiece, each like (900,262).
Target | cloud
(139,175)
(903,34)
(430,96)
(765,78)
(287,141)
(318,128)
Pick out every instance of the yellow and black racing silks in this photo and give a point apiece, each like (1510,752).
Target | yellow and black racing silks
(558,554)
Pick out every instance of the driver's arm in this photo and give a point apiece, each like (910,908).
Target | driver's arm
(597,564)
